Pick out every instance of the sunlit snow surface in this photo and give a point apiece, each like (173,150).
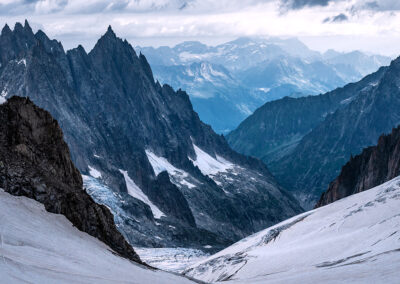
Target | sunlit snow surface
(39,247)
(354,240)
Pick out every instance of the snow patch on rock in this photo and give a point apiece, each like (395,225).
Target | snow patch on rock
(94,173)
(209,165)
(161,164)
(137,193)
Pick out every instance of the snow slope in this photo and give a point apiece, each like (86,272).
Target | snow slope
(353,240)
(40,247)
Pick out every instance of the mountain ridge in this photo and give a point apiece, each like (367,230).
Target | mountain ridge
(313,158)
(243,74)
(124,130)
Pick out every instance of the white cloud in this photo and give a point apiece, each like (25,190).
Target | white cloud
(169,21)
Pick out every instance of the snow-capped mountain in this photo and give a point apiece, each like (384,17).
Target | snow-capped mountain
(354,240)
(169,178)
(40,247)
(229,81)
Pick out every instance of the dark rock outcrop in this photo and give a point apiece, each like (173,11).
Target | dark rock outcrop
(35,162)
(374,166)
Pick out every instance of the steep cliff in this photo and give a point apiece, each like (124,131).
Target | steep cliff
(374,166)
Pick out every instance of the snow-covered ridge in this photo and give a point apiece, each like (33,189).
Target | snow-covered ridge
(137,193)
(353,240)
(40,247)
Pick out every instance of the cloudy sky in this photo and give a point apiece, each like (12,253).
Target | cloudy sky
(368,25)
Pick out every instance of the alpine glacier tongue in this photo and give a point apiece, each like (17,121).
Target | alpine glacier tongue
(353,240)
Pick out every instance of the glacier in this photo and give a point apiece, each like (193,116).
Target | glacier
(353,240)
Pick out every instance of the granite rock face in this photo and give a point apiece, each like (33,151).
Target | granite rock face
(374,166)
(172,180)
(35,162)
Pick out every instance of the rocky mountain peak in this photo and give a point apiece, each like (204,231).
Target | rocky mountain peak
(18,27)
(111,51)
(15,44)
(110,32)
(23,30)
(108,39)
(6,30)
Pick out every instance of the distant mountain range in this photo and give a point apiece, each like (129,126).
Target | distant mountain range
(305,141)
(168,178)
(227,82)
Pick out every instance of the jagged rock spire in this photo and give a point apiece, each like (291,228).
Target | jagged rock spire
(110,32)
(27,27)
(6,30)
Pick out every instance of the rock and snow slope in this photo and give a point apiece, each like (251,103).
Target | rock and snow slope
(115,118)
(40,247)
(356,239)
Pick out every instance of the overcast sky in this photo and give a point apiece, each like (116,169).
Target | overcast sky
(368,25)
